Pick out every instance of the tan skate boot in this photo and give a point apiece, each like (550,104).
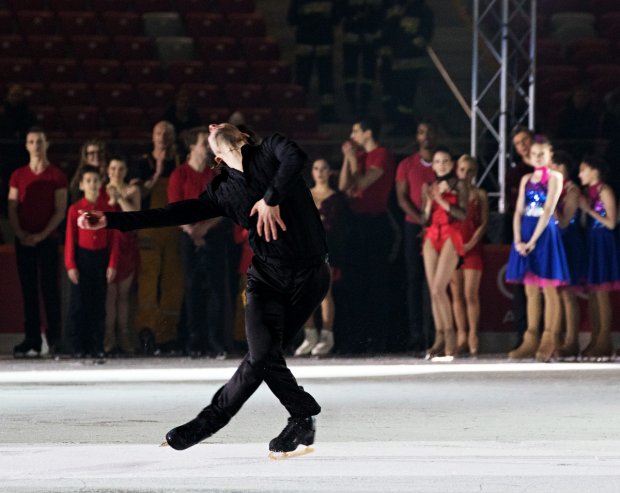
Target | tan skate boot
(569,351)
(437,348)
(603,348)
(528,347)
(473,343)
(325,344)
(548,347)
(311,340)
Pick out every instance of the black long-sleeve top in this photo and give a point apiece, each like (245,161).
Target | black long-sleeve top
(271,171)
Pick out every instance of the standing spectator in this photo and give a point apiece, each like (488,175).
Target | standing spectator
(366,177)
(361,35)
(603,270)
(123,197)
(407,30)
(444,207)
(412,174)
(160,277)
(204,249)
(93,153)
(314,36)
(91,260)
(37,205)
(334,211)
(465,284)
(537,257)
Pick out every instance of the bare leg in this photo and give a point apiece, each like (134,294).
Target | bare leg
(326,338)
(458,309)
(430,257)
(472,300)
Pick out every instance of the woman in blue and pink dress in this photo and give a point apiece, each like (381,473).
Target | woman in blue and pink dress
(603,270)
(568,216)
(537,257)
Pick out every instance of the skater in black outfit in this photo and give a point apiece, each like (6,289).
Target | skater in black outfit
(261,189)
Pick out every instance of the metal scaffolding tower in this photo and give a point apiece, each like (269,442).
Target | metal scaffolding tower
(503,69)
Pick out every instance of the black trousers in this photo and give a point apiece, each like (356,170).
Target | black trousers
(353,54)
(279,301)
(322,56)
(37,267)
(206,291)
(87,302)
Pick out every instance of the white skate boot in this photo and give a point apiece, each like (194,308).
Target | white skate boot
(325,344)
(311,340)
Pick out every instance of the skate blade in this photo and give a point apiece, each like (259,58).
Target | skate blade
(442,359)
(290,455)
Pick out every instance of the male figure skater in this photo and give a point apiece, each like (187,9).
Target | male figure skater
(261,189)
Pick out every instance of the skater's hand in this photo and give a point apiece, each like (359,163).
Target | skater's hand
(347,148)
(74,276)
(520,248)
(110,274)
(91,220)
(529,247)
(268,220)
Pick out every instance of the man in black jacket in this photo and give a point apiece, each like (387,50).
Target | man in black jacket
(260,188)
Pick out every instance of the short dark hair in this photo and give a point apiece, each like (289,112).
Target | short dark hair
(191,136)
(521,129)
(443,149)
(371,123)
(566,158)
(88,168)
(598,163)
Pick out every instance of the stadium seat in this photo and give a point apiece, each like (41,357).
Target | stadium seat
(36,22)
(74,23)
(184,72)
(215,114)
(49,119)
(13,44)
(59,70)
(68,5)
(114,94)
(36,93)
(286,95)
(158,95)
(138,71)
(246,95)
(247,25)
(600,7)
(204,6)
(70,93)
(81,118)
(149,6)
(205,25)
(270,72)
(203,95)
(110,5)
(134,47)
(549,51)
(123,118)
(229,72)
(218,48)
(101,71)
(117,23)
(16,5)
(53,46)
(89,47)
(261,119)
(299,120)
(549,7)
(7,25)
(18,70)
(175,48)
(236,6)
(261,48)
(158,24)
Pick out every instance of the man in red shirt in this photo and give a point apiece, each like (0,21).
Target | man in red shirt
(411,175)
(37,204)
(91,260)
(204,250)
(367,177)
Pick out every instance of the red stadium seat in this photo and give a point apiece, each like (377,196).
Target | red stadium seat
(35,93)
(549,52)
(145,6)
(81,118)
(114,94)
(261,119)
(205,25)
(247,25)
(246,95)
(548,7)
(138,71)
(67,5)
(134,48)
(122,118)
(600,7)
(199,6)
(187,71)
(299,121)
(16,5)
(50,46)
(50,120)
(59,70)
(218,48)
(122,24)
(7,25)
(203,95)
(89,47)
(12,44)
(110,5)
(70,94)
(609,71)
(214,114)
(101,71)
(264,48)
(236,6)
(229,72)
(36,22)
(270,72)
(18,70)
(157,95)
(73,23)
(286,95)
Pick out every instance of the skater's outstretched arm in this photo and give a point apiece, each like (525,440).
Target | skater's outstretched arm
(175,214)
